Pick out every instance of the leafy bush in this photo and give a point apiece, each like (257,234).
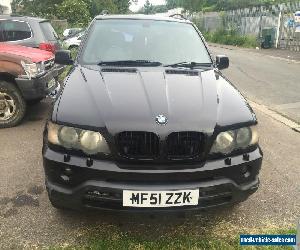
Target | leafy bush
(231,38)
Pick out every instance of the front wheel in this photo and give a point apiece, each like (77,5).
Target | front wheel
(12,105)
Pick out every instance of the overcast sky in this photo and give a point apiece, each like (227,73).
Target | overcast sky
(136,7)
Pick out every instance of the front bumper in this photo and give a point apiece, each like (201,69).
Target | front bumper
(218,183)
(36,88)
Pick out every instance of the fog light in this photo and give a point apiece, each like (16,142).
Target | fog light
(245,170)
(65,178)
(68,171)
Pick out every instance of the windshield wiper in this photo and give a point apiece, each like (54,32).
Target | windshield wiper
(130,63)
(190,65)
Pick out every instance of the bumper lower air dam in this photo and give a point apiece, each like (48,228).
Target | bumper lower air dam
(101,186)
(107,196)
(38,87)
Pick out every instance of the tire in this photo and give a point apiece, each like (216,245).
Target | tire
(34,101)
(12,101)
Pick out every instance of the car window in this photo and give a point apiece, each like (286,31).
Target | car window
(14,30)
(48,31)
(159,41)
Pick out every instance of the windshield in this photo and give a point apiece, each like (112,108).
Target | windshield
(147,40)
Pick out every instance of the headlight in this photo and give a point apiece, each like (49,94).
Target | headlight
(32,70)
(228,141)
(68,137)
(40,67)
(93,142)
(89,142)
(224,142)
(243,137)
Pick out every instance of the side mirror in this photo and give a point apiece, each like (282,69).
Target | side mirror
(63,57)
(222,62)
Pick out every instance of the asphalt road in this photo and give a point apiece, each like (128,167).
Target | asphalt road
(266,79)
(27,218)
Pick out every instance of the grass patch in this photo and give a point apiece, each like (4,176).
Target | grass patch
(116,240)
(231,38)
(64,74)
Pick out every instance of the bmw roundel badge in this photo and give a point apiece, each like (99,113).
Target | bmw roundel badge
(161,120)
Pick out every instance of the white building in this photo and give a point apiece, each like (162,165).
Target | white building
(5,7)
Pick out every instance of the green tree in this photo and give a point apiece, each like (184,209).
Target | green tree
(42,8)
(112,6)
(1,9)
(122,6)
(97,6)
(148,8)
(75,11)
(49,8)
(152,9)
(159,8)
(171,4)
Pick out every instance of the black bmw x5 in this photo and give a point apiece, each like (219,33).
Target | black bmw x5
(146,121)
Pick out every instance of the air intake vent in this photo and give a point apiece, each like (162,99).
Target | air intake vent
(119,70)
(182,72)
(185,145)
(138,145)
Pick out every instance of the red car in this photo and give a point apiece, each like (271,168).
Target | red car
(27,75)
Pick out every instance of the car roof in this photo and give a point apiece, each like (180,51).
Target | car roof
(143,17)
(22,18)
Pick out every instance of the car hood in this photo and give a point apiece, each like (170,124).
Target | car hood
(121,99)
(34,55)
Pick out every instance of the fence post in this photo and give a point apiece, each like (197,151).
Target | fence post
(278,29)
(260,26)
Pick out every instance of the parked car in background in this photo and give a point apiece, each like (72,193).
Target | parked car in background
(27,75)
(29,31)
(297,17)
(73,42)
(71,32)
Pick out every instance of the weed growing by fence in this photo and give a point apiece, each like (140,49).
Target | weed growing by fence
(231,38)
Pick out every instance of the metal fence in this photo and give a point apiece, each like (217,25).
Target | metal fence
(252,21)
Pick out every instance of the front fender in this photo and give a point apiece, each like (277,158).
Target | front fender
(233,108)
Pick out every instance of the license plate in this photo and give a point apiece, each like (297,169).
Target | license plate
(51,84)
(160,198)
